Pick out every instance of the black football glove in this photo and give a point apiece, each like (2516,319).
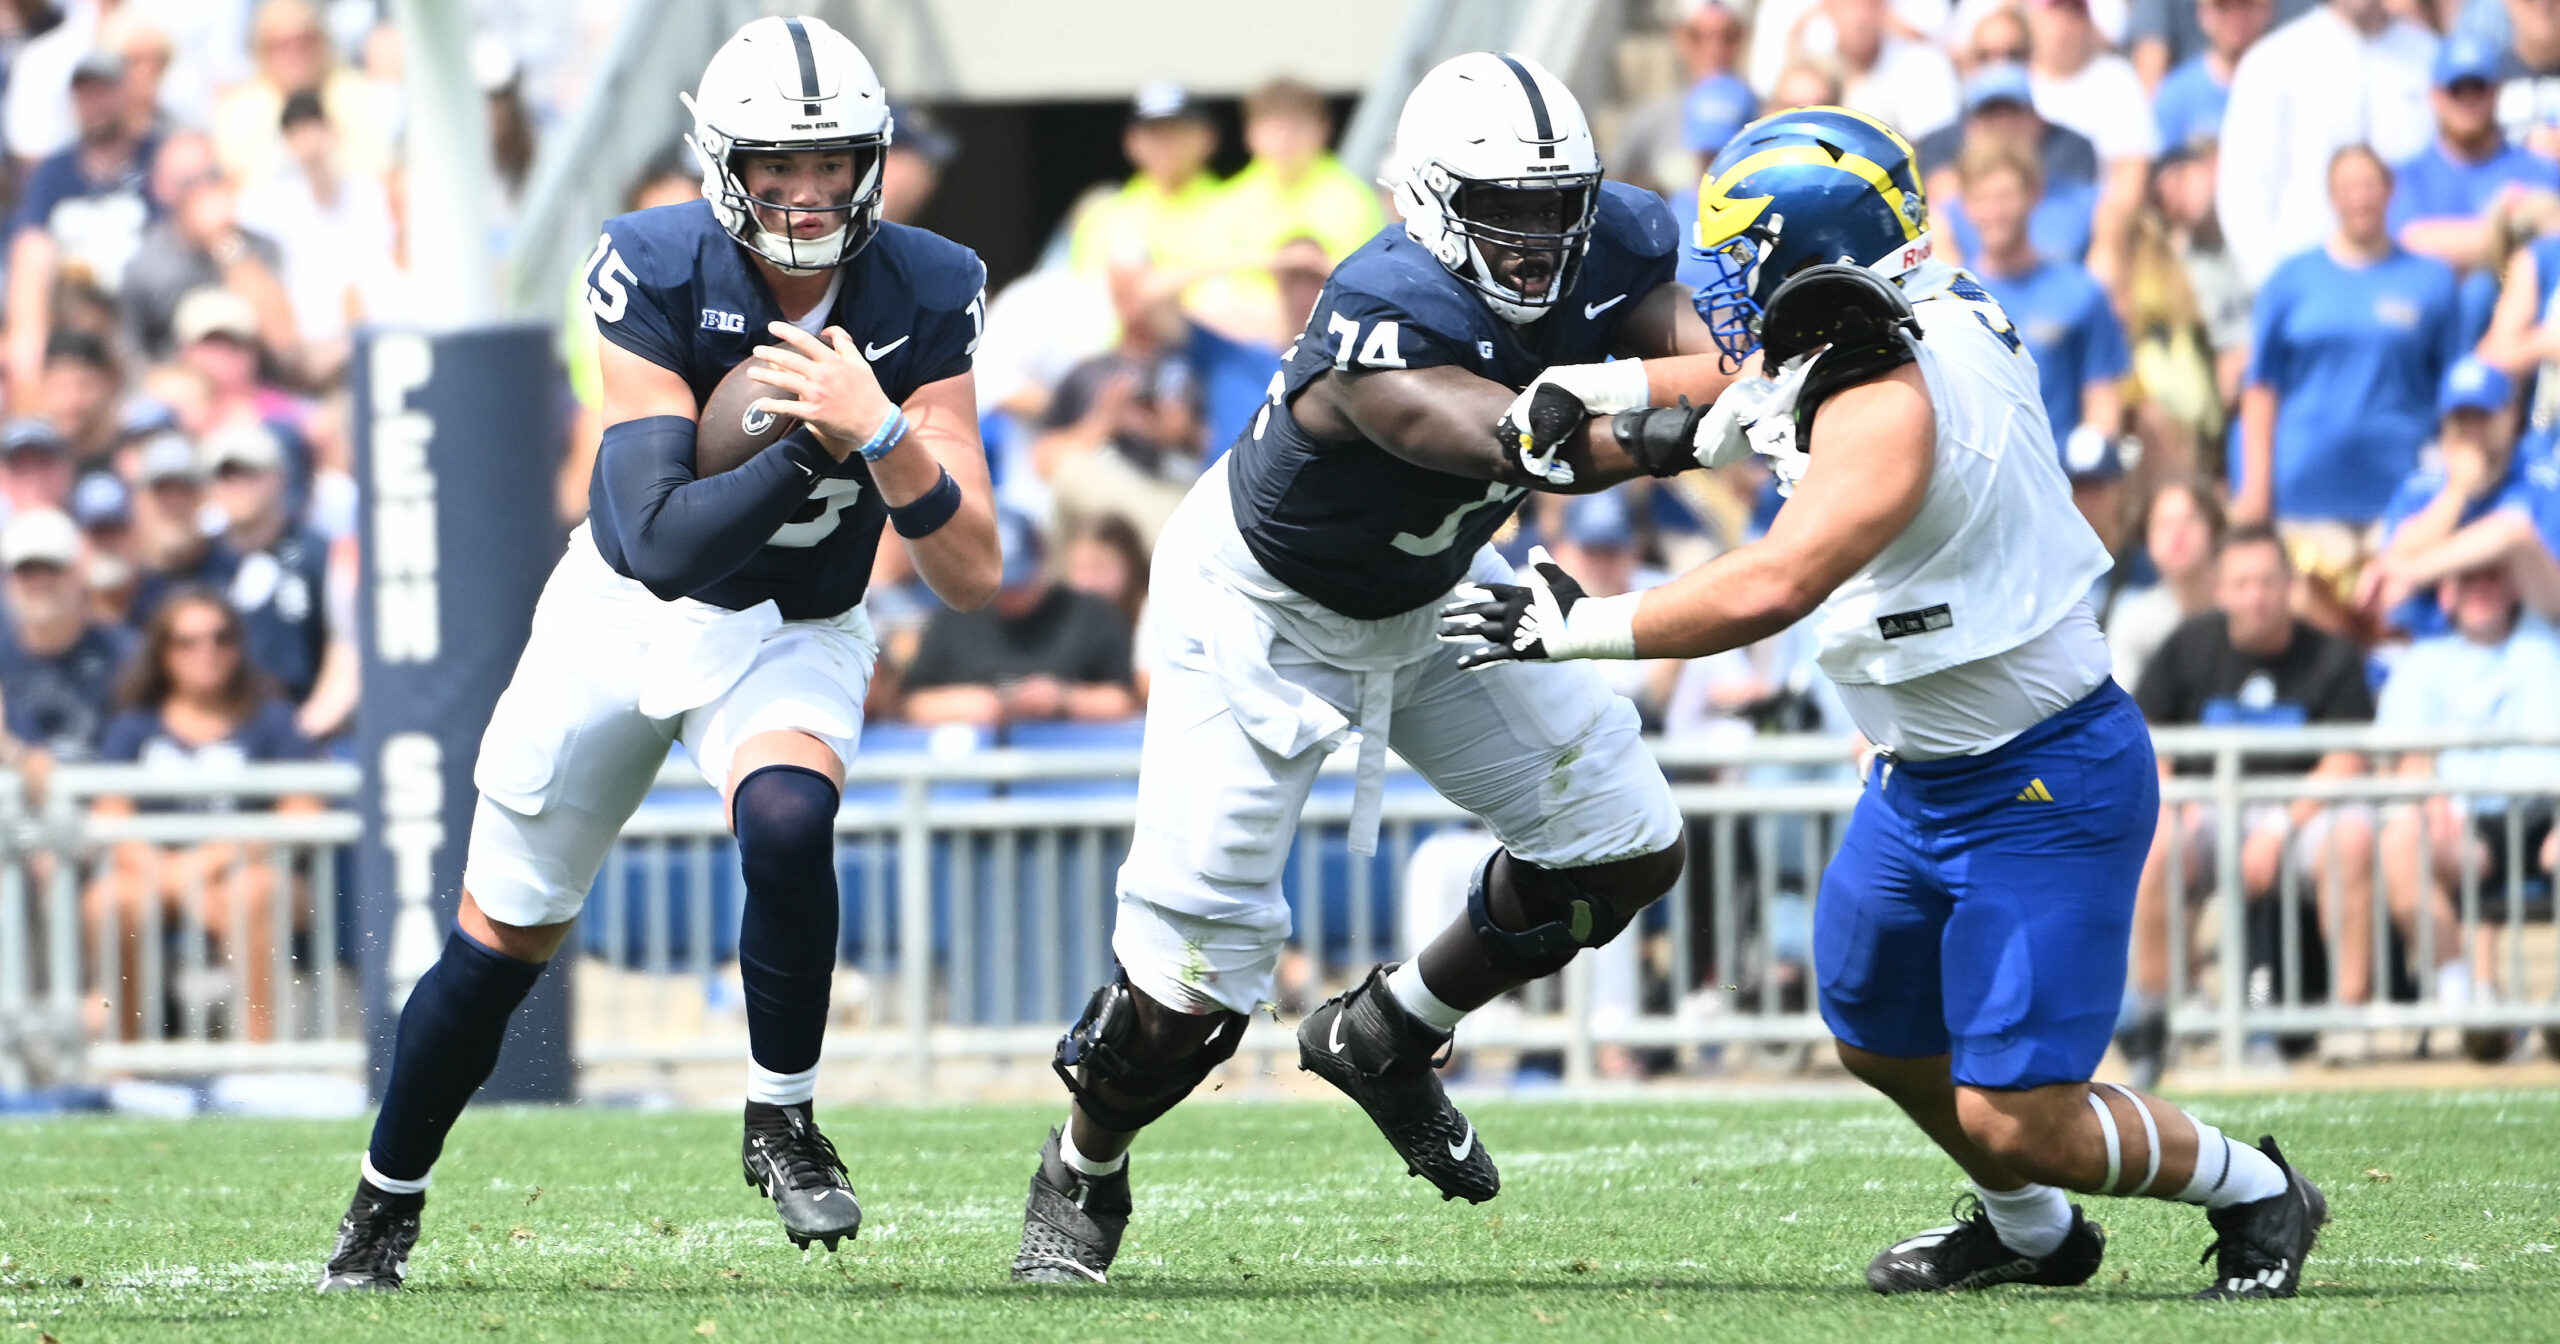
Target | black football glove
(1512,620)
(1553,417)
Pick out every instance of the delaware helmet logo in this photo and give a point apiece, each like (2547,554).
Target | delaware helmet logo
(756,421)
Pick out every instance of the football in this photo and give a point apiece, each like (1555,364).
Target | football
(731,429)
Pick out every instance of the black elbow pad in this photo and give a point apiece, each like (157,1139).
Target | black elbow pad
(1660,439)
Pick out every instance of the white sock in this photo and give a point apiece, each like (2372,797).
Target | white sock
(781,1089)
(1078,1162)
(1404,984)
(364,1167)
(2031,1220)
(2229,1173)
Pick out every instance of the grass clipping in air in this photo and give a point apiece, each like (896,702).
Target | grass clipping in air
(1619,1220)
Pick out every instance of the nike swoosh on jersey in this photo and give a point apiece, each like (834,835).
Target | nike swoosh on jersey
(1592,310)
(874,352)
(1458,1151)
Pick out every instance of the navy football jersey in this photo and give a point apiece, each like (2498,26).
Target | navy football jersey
(671,286)
(1351,524)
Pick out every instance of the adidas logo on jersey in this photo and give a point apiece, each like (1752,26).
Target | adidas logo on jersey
(2035,792)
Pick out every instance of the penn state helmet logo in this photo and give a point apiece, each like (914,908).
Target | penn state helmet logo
(756,421)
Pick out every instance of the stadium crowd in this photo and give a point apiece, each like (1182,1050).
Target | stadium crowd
(2286,268)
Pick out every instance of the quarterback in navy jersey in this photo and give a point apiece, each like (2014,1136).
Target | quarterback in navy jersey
(724,611)
(1306,566)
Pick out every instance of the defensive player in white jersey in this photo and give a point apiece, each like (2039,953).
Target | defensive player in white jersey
(723,610)
(1970,937)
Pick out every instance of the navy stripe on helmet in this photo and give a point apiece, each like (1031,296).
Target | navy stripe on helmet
(808,58)
(1537,105)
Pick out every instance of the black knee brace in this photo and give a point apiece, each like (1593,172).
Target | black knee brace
(1563,918)
(1103,1060)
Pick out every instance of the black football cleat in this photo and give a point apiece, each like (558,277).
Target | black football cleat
(1071,1229)
(794,1165)
(1365,1043)
(2259,1247)
(1968,1254)
(374,1241)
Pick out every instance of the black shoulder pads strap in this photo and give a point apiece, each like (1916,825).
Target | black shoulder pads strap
(1861,315)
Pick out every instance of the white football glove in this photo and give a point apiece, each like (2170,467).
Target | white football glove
(1753,415)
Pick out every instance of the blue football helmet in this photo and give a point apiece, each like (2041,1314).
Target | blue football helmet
(1803,187)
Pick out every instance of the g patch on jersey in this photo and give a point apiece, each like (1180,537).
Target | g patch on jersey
(671,286)
(1349,523)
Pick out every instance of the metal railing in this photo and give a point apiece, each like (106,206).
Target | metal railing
(199,928)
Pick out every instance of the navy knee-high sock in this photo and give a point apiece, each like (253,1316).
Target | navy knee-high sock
(450,1031)
(785,818)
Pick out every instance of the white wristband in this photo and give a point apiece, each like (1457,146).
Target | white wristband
(1618,385)
(1598,627)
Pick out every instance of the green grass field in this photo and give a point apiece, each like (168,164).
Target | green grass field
(1734,1220)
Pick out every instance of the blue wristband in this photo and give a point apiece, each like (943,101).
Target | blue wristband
(926,513)
(891,433)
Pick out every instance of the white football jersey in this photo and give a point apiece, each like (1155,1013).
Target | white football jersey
(1995,558)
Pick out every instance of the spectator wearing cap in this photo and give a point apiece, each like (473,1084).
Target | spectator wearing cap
(2460,197)
(2056,307)
(2350,72)
(2351,341)
(198,243)
(918,153)
(1656,146)
(103,507)
(1038,651)
(77,394)
(217,335)
(170,541)
(1164,216)
(332,232)
(292,54)
(2001,118)
(2079,83)
(2472,502)
(59,663)
(1904,82)
(279,569)
(35,466)
(2189,101)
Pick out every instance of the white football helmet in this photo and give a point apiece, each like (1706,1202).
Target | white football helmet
(790,85)
(1493,122)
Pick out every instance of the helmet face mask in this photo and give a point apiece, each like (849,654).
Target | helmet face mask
(1525,238)
(1728,302)
(804,200)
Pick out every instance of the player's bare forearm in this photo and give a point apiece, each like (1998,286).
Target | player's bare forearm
(1873,449)
(1440,418)
(961,560)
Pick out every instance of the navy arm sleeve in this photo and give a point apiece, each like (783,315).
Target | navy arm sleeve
(679,534)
